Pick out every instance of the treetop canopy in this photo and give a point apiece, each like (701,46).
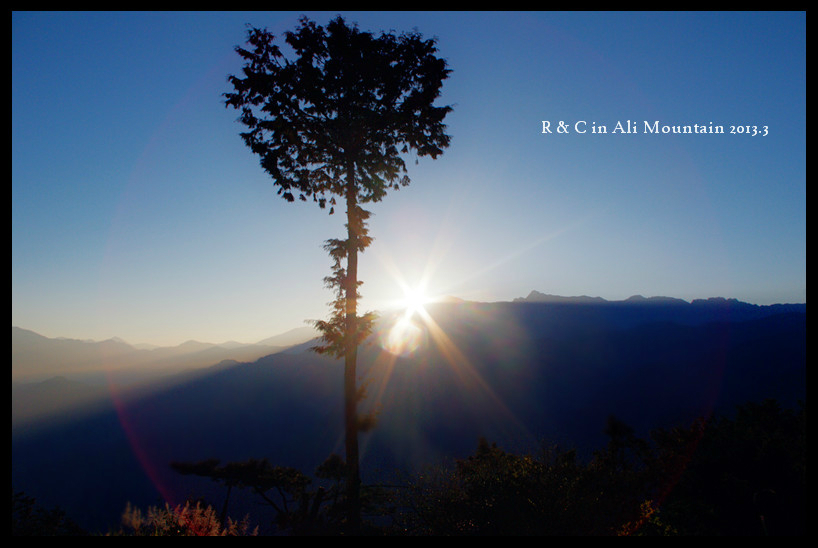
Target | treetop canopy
(337,117)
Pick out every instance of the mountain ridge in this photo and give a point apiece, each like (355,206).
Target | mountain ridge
(537,296)
(36,357)
(300,335)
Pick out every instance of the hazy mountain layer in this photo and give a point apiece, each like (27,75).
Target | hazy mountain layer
(36,358)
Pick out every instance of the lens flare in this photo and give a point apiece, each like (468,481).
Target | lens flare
(406,336)
(403,338)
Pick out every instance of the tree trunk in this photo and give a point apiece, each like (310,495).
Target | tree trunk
(351,356)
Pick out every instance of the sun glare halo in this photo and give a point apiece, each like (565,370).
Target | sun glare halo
(414,301)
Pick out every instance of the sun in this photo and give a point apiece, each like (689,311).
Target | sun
(414,301)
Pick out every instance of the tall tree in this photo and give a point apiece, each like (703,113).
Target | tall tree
(332,122)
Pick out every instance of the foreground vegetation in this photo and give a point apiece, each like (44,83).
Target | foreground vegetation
(740,475)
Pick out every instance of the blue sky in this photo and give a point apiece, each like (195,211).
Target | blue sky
(138,212)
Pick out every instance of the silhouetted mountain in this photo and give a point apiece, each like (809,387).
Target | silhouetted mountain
(517,373)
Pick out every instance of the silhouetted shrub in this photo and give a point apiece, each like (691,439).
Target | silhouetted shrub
(746,477)
(730,476)
(30,519)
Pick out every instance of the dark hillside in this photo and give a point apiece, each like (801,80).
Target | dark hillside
(516,373)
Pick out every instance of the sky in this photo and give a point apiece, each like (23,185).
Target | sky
(138,212)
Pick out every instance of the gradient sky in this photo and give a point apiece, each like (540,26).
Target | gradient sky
(138,212)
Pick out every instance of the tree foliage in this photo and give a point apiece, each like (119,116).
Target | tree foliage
(338,116)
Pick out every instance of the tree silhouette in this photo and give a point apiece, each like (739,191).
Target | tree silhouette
(331,124)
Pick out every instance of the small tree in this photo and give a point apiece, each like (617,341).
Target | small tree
(332,124)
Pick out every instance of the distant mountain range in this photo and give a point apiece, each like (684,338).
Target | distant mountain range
(35,357)
(734,305)
(539,369)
